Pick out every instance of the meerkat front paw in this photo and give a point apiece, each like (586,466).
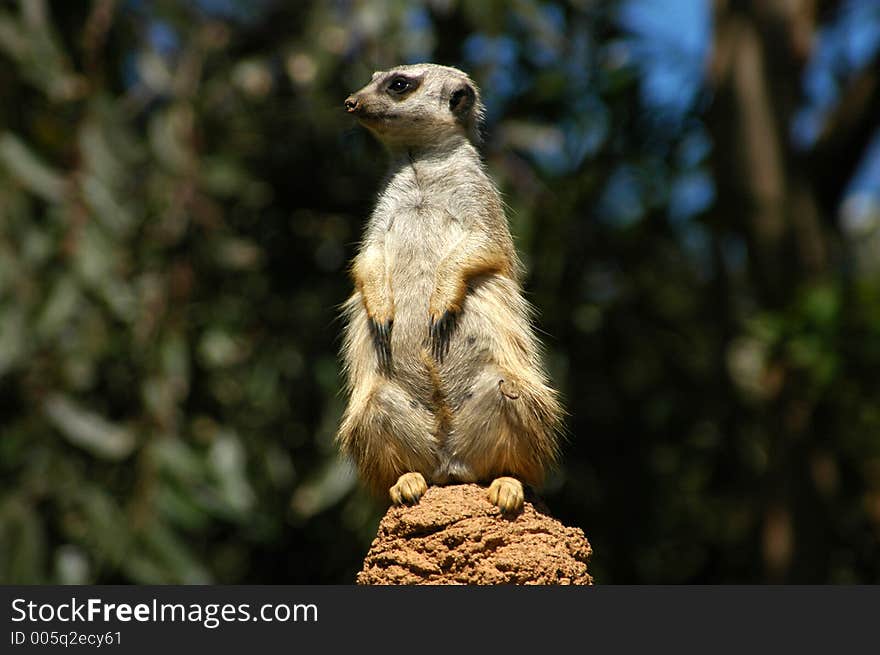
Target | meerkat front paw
(507,494)
(381,333)
(408,489)
(379,306)
(442,326)
(444,308)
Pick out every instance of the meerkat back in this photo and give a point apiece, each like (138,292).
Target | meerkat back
(443,368)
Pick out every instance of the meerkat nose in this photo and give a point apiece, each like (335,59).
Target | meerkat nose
(351,104)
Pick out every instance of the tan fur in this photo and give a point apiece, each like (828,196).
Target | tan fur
(443,368)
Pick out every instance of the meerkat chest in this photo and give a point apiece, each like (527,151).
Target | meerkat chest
(422,222)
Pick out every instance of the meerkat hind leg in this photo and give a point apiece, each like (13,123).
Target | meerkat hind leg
(408,489)
(507,494)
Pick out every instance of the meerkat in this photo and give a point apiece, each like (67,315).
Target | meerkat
(443,368)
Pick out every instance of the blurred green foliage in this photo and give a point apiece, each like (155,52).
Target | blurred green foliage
(180,193)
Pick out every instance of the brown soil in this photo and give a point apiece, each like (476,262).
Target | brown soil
(454,535)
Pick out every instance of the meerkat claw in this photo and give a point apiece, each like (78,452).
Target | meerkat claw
(382,340)
(410,487)
(441,331)
(507,494)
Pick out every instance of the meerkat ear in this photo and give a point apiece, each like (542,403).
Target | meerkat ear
(462,99)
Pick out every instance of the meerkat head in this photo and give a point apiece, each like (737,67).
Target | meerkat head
(417,105)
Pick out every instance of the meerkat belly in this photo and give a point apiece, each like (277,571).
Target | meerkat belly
(414,245)
(491,332)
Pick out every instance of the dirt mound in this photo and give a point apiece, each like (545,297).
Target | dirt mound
(454,535)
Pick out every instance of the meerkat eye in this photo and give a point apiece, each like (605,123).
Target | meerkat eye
(399,85)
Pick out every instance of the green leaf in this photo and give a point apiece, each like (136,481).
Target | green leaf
(30,171)
(229,467)
(72,565)
(88,430)
(335,479)
(106,529)
(13,346)
(60,307)
(22,544)
(160,557)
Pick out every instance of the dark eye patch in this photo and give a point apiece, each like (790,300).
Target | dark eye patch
(400,85)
